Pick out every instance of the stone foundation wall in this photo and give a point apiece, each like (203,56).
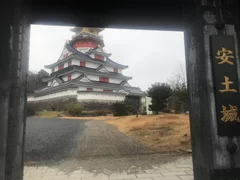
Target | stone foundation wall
(58,104)
(61,103)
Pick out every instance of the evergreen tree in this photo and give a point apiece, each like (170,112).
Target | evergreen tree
(159,92)
(35,80)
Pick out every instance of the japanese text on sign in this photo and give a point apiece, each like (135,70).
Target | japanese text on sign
(230,114)
(226,84)
(225,56)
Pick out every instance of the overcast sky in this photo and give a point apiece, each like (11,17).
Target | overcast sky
(152,56)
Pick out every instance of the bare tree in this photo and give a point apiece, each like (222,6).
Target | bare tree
(178,83)
(178,79)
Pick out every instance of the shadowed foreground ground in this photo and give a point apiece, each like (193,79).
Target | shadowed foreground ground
(52,140)
(93,146)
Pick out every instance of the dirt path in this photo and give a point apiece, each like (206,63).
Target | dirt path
(94,146)
(101,139)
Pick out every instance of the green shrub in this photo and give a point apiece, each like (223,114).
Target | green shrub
(31,110)
(86,114)
(101,112)
(92,105)
(119,109)
(166,110)
(74,109)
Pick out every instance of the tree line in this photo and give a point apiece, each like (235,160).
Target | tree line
(170,95)
(35,80)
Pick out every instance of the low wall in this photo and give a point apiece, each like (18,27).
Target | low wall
(58,104)
(61,103)
(90,101)
(62,94)
(100,97)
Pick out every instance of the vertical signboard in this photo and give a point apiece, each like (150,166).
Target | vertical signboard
(226,85)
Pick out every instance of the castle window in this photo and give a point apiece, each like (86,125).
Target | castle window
(89,89)
(61,67)
(69,63)
(107,90)
(69,77)
(83,64)
(103,79)
(115,70)
(99,57)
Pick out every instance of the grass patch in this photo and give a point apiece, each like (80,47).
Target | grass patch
(163,133)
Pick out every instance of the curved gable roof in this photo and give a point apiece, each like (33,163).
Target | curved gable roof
(88,70)
(79,55)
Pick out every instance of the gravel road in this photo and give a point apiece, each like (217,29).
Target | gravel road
(94,146)
(51,140)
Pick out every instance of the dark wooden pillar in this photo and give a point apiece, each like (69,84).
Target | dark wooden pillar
(5,59)
(14,34)
(203,18)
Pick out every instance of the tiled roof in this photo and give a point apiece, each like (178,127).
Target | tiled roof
(134,90)
(97,52)
(75,83)
(86,70)
(81,56)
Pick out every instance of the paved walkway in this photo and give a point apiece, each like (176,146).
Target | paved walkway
(180,169)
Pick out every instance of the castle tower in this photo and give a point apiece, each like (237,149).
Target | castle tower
(84,70)
(87,38)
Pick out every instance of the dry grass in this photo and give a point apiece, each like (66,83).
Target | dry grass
(159,132)
(163,133)
(48,114)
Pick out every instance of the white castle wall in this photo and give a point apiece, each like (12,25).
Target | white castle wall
(82,88)
(93,77)
(53,95)
(114,80)
(74,76)
(93,96)
(111,80)
(94,89)
(88,64)
(92,56)
(109,68)
(75,62)
(66,64)
(92,65)
(99,97)
(97,89)
(80,97)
